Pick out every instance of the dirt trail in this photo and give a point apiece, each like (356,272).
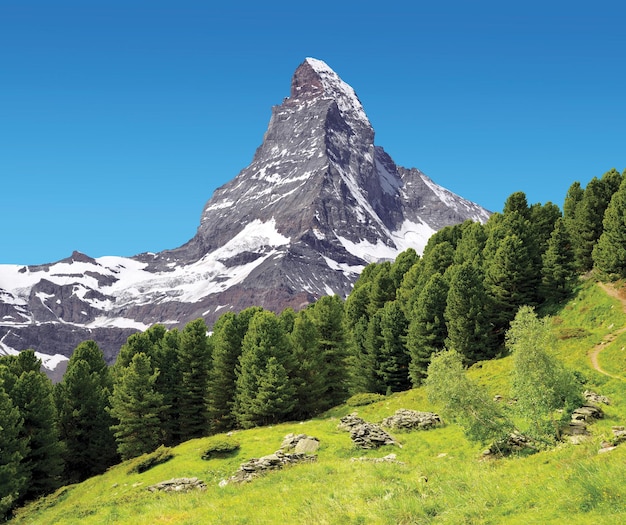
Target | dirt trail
(595,351)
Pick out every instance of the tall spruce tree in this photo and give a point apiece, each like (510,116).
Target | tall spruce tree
(609,255)
(265,365)
(13,448)
(309,371)
(136,405)
(194,362)
(168,384)
(393,363)
(82,399)
(327,314)
(427,327)
(466,313)
(31,392)
(226,341)
(509,282)
(558,273)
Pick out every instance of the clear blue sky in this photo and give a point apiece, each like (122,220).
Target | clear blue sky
(118,119)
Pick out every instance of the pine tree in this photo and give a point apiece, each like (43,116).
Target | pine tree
(82,398)
(168,384)
(31,393)
(509,282)
(136,405)
(370,364)
(328,315)
(308,374)
(427,327)
(13,448)
(356,321)
(466,314)
(194,360)
(226,342)
(471,244)
(393,364)
(264,340)
(609,255)
(403,263)
(558,274)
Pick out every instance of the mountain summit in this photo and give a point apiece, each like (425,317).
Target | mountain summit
(318,202)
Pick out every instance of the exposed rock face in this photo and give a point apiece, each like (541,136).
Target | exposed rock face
(318,202)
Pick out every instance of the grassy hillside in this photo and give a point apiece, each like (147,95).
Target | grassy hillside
(442,479)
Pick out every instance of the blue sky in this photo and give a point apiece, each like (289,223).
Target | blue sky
(118,120)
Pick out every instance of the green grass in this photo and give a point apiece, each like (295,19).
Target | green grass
(443,480)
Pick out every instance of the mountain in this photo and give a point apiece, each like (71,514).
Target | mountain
(318,202)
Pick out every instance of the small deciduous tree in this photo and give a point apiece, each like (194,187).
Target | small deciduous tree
(464,401)
(541,383)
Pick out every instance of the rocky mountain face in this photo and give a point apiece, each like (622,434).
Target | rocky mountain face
(318,202)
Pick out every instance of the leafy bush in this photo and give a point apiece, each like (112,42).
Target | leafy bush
(147,461)
(368,398)
(220,448)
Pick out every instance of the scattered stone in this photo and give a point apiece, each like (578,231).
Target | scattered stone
(300,443)
(619,435)
(587,412)
(370,435)
(594,398)
(389,458)
(350,421)
(258,466)
(497,398)
(412,420)
(178,485)
(514,442)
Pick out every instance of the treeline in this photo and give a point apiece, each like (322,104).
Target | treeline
(258,368)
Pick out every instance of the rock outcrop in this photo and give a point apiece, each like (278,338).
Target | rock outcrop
(178,485)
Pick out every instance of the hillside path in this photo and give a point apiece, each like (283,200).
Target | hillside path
(595,351)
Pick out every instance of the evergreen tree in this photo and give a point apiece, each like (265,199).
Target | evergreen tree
(226,342)
(168,384)
(405,294)
(328,316)
(590,215)
(356,321)
(266,359)
(437,260)
(393,363)
(13,449)
(382,288)
(309,372)
(403,263)
(609,255)
(510,283)
(471,245)
(194,361)
(427,327)
(82,398)
(466,314)
(31,393)
(558,273)
(543,219)
(371,379)
(136,405)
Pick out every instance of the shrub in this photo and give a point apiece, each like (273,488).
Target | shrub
(147,461)
(220,448)
(367,398)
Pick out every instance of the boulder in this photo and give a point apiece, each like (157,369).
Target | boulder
(178,485)
(300,443)
(412,420)
(587,412)
(370,435)
(256,467)
(593,398)
(350,421)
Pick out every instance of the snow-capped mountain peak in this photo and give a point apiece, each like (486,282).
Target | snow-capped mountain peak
(318,202)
